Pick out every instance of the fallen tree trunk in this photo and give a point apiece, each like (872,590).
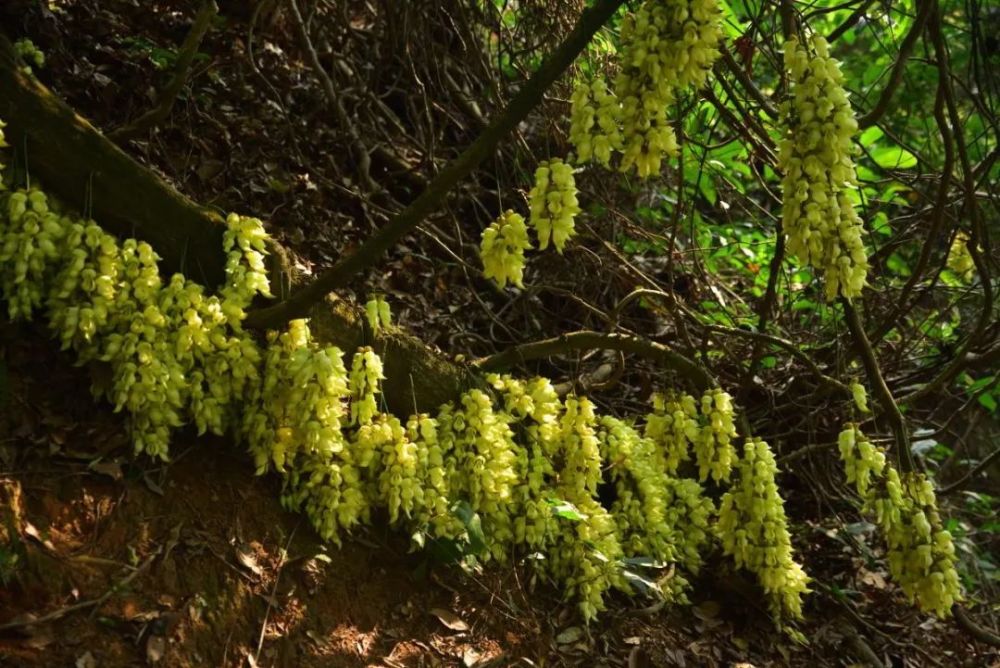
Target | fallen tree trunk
(90,173)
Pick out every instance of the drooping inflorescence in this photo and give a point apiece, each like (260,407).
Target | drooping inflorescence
(553,204)
(31,55)
(522,463)
(594,119)
(754,531)
(960,259)
(921,552)
(667,46)
(378,313)
(819,183)
(502,249)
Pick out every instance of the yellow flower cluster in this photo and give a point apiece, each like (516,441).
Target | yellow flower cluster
(860,396)
(245,245)
(30,54)
(525,463)
(593,127)
(658,516)
(862,460)
(673,425)
(754,531)
(553,204)
(818,213)
(378,313)
(502,249)
(668,45)
(960,259)
(298,405)
(30,244)
(921,552)
(174,355)
(366,374)
(713,449)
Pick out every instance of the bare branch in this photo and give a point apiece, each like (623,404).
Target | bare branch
(896,76)
(431,198)
(165,101)
(697,375)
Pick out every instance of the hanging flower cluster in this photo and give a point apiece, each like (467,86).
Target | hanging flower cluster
(593,127)
(960,259)
(713,447)
(921,552)
(502,249)
(863,462)
(754,531)
(30,54)
(860,396)
(378,313)
(673,426)
(175,355)
(818,213)
(659,516)
(523,462)
(667,46)
(553,204)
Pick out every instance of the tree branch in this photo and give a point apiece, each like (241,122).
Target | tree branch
(896,76)
(971,473)
(379,243)
(165,100)
(691,371)
(747,82)
(896,420)
(330,90)
(973,629)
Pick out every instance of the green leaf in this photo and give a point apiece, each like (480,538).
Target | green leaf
(641,584)
(565,510)
(894,157)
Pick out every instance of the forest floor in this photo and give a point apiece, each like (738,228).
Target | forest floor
(193,563)
(126,561)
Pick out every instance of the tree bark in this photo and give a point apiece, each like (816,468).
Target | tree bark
(91,174)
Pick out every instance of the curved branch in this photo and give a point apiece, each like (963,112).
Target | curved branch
(973,629)
(937,220)
(694,373)
(166,99)
(971,473)
(978,243)
(748,83)
(875,377)
(896,77)
(430,199)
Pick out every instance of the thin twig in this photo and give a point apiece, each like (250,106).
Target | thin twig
(526,100)
(971,473)
(165,101)
(83,605)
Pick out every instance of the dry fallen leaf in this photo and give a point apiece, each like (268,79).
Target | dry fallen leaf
(156,647)
(112,468)
(572,634)
(470,657)
(248,561)
(449,619)
(87,660)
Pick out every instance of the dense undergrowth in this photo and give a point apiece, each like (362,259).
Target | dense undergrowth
(517,471)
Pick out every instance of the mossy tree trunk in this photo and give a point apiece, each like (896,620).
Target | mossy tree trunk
(88,172)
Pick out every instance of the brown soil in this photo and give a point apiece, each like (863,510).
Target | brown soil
(195,563)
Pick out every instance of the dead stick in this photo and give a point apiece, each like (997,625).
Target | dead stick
(165,101)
